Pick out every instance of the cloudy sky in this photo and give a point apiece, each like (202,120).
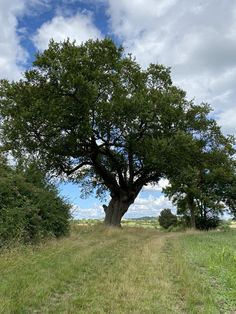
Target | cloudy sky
(196,38)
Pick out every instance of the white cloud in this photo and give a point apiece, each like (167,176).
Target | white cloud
(130,18)
(150,206)
(78,27)
(196,38)
(227,119)
(12,55)
(94,212)
(163,183)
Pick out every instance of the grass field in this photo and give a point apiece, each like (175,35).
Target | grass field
(149,222)
(132,270)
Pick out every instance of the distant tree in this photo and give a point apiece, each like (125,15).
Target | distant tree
(167,219)
(91,113)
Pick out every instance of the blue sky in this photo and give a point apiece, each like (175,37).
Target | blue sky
(196,38)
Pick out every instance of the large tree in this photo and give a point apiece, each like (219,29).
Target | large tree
(90,112)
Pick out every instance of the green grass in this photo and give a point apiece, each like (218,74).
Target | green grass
(132,270)
(213,257)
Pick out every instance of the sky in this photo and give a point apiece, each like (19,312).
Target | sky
(196,38)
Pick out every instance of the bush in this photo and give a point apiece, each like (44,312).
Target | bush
(208,222)
(177,228)
(167,219)
(225,226)
(30,211)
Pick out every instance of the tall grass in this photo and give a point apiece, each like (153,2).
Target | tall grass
(102,270)
(213,257)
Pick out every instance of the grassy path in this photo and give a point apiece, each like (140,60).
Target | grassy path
(100,270)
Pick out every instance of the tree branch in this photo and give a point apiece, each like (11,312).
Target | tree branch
(84,163)
(131,167)
(107,176)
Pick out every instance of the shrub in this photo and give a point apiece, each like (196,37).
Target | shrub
(177,228)
(225,226)
(210,221)
(167,219)
(207,223)
(30,211)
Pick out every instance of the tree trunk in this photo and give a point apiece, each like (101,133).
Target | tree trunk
(116,209)
(192,218)
(192,212)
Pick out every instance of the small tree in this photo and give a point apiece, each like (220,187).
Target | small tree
(205,188)
(167,219)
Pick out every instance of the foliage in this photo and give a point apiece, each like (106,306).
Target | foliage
(208,222)
(204,223)
(30,207)
(91,113)
(228,190)
(177,228)
(167,218)
(205,188)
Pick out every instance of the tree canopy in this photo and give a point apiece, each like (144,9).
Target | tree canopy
(91,113)
(204,188)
